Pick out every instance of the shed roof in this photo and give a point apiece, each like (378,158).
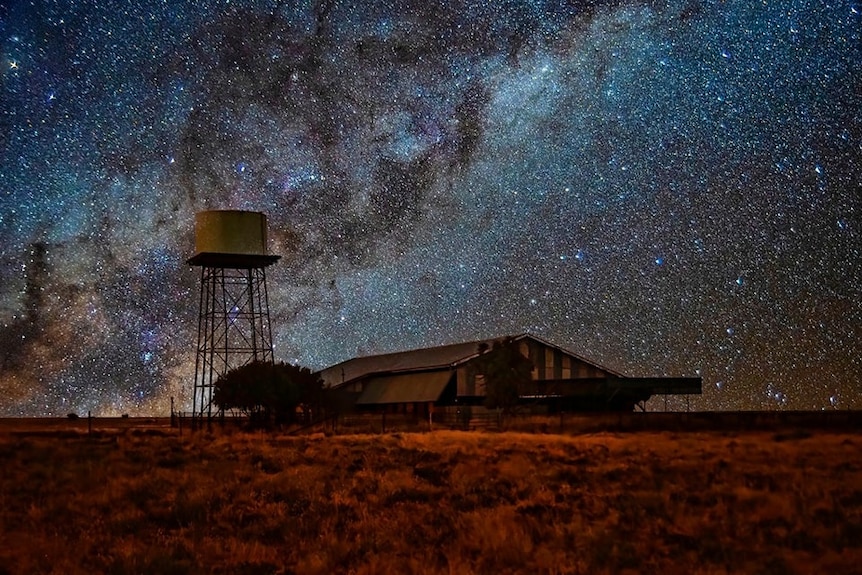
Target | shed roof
(444,356)
(414,387)
(411,360)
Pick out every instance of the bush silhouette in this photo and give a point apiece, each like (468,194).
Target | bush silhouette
(270,392)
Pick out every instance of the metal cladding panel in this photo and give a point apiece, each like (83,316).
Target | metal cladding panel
(230,232)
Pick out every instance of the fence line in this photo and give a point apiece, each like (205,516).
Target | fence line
(477,418)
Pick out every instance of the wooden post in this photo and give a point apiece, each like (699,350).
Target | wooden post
(89,423)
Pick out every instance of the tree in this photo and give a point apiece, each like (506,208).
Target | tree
(298,390)
(505,369)
(245,389)
(268,392)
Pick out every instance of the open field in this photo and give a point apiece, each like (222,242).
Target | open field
(145,500)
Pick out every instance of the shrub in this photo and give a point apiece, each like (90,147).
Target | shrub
(267,391)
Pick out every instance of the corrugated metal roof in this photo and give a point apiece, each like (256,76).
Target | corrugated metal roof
(443,356)
(427,358)
(405,388)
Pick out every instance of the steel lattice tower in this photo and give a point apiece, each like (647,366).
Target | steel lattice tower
(233,319)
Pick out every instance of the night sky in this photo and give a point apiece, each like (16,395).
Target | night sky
(667,188)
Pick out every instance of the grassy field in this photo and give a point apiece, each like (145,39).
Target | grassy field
(148,501)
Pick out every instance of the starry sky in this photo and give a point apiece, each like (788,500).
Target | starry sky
(668,188)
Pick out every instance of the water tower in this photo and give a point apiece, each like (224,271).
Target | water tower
(233,323)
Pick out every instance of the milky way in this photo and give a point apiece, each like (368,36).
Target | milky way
(668,188)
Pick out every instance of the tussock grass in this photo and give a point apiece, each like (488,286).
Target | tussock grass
(442,502)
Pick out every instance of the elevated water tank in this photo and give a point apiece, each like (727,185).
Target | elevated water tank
(233,321)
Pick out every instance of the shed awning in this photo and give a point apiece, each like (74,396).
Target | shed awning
(404,388)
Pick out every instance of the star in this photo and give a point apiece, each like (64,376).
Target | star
(608,175)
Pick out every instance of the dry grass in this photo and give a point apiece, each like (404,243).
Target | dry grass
(140,501)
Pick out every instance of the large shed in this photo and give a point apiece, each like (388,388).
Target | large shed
(416,381)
